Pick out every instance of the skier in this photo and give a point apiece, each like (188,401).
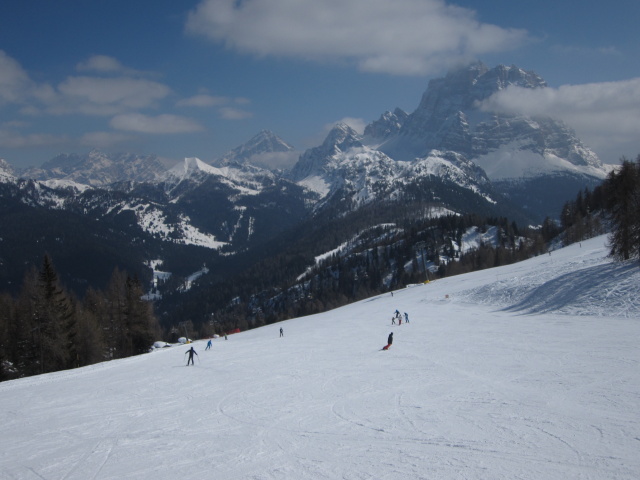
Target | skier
(191,351)
(281,333)
(208,345)
(406,317)
(393,322)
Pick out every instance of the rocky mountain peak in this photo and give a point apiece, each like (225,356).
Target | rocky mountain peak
(341,137)
(264,144)
(387,125)
(312,162)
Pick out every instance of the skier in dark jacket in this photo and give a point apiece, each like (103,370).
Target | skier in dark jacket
(191,351)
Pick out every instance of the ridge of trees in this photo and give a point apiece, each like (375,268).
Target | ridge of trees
(613,206)
(46,328)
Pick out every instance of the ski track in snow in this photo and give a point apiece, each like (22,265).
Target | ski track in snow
(529,371)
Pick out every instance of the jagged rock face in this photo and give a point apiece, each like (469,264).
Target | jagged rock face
(312,162)
(387,125)
(448,113)
(449,118)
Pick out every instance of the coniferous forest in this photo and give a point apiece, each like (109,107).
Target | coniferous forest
(45,327)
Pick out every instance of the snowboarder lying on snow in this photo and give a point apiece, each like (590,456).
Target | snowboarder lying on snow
(389,342)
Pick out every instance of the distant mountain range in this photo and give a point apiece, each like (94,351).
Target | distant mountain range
(449,153)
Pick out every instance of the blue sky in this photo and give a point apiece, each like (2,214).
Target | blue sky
(200,77)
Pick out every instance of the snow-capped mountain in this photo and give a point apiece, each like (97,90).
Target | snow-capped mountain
(99,169)
(265,149)
(450,138)
(344,168)
(6,172)
(450,117)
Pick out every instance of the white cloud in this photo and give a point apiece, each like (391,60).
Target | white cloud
(400,37)
(106,65)
(105,96)
(202,100)
(572,50)
(231,113)
(102,64)
(88,95)
(606,116)
(15,84)
(160,124)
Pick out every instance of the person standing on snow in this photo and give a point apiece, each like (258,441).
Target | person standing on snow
(281,333)
(406,317)
(208,345)
(191,351)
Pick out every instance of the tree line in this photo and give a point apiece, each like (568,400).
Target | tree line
(45,328)
(371,261)
(613,206)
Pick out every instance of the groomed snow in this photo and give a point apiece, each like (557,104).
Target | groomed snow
(529,371)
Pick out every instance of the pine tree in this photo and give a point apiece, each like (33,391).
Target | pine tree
(52,320)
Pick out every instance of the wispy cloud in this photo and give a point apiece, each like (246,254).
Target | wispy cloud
(105,96)
(202,100)
(232,113)
(160,124)
(15,84)
(603,114)
(573,50)
(104,64)
(84,94)
(404,37)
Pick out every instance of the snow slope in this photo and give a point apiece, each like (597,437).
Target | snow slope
(529,371)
